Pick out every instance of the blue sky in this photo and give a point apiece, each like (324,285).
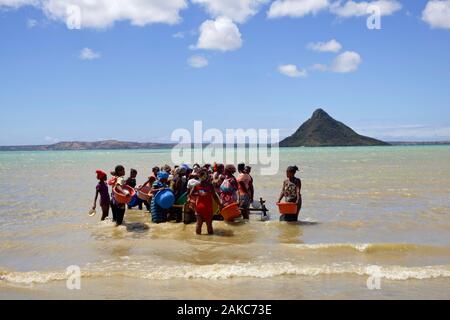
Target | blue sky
(136,70)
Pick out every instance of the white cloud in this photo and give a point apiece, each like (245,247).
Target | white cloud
(296,8)
(178,35)
(348,61)
(319,67)
(51,139)
(88,54)
(292,71)
(407,132)
(343,9)
(104,13)
(197,61)
(220,34)
(31,23)
(437,14)
(236,10)
(17,3)
(330,46)
(358,9)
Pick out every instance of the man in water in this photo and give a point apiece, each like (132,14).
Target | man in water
(245,187)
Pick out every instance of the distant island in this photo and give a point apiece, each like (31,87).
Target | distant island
(97,145)
(321,130)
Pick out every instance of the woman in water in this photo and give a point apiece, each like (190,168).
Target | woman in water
(291,192)
(229,187)
(205,193)
(218,176)
(159,214)
(102,190)
(117,182)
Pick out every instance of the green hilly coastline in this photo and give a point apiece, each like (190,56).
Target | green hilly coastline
(321,130)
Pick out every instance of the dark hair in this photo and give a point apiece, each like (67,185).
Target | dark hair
(293,169)
(133,171)
(117,169)
(241,167)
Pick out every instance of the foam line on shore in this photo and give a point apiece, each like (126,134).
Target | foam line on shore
(228,271)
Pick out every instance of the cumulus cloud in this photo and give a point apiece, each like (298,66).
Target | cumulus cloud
(343,9)
(104,13)
(17,3)
(219,34)
(358,9)
(348,61)
(296,8)
(197,61)
(236,10)
(329,46)
(437,14)
(89,54)
(292,71)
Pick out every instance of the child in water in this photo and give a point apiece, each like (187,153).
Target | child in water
(131,182)
(118,181)
(102,190)
(205,193)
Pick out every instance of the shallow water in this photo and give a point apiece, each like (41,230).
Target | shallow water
(363,207)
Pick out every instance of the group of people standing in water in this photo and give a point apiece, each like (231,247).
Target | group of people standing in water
(200,192)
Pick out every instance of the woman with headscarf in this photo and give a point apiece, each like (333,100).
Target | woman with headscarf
(179,190)
(229,186)
(158,214)
(291,192)
(218,176)
(206,196)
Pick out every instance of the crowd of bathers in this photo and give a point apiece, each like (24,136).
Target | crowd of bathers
(200,193)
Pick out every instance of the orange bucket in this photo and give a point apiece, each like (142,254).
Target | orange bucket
(121,198)
(287,207)
(231,211)
(143,193)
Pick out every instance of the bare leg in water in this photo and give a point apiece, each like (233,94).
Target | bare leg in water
(199,224)
(299,206)
(209,226)
(105,211)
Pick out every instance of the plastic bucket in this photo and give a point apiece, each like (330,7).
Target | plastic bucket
(122,198)
(231,211)
(287,207)
(165,199)
(143,193)
(182,199)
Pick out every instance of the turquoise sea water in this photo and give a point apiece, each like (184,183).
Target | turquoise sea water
(372,206)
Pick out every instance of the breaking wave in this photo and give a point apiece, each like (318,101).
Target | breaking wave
(228,271)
